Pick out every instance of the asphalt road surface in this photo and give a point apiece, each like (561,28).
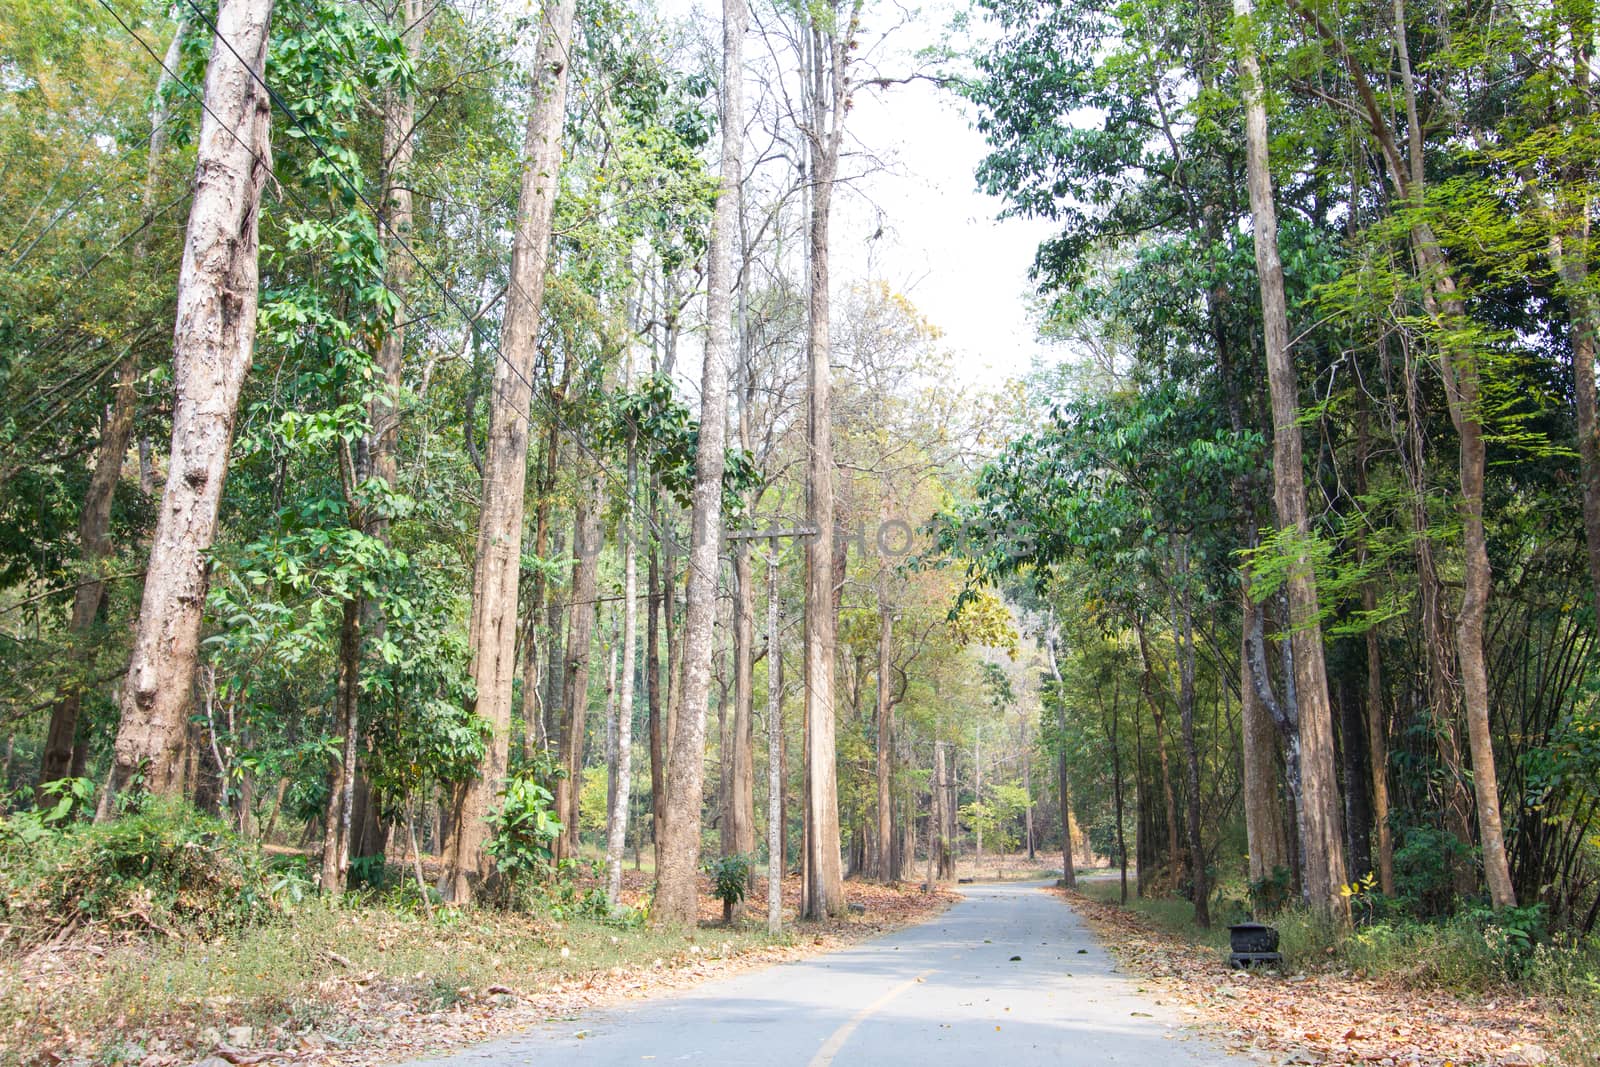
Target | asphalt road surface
(947,991)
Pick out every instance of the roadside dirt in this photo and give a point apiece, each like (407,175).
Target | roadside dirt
(1330,1016)
(342,1012)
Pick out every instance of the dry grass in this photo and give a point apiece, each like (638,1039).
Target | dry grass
(1333,1013)
(372,984)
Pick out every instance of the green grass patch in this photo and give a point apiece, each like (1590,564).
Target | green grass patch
(1172,914)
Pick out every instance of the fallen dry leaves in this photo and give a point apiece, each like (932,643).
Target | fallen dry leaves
(345,1015)
(1327,1017)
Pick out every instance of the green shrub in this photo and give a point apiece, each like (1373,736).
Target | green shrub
(1425,860)
(730,881)
(522,828)
(1270,895)
(164,870)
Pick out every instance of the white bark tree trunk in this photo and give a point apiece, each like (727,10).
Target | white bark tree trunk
(617,833)
(775,856)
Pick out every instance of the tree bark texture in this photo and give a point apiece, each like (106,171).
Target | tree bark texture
(1322,838)
(775,856)
(822,880)
(580,654)
(739,837)
(617,824)
(213,342)
(1263,812)
(492,630)
(882,861)
(676,879)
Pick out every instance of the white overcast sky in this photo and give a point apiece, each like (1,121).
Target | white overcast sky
(941,244)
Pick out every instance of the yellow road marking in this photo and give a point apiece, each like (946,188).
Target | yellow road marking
(831,1047)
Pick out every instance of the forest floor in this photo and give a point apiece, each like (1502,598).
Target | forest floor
(1331,1014)
(370,983)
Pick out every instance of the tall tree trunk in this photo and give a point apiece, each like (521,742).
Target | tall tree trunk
(116,430)
(534,704)
(342,768)
(822,881)
(1377,743)
(1168,793)
(1437,638)
(1570,255)
(1186,671)
(1321,840)
(586,539)
(555,646)
(775,808)
(617,825)
(885,729)
(1116,792)
(492,631)
(652,683)
(740,819)
(740,837)
(977,791)
(676,879)
(1069,869)
(1262,811)
(1460,369)
(1027,790)
(218,291)
(377,460)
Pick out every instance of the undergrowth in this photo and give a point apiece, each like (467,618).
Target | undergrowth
(1474,951)
(163,870)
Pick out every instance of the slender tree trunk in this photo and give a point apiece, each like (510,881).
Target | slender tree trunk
(885,711)
(1027,789)
(610,720)
(739,837)
(652,682)
(1169,794)
(1186,671)
(822,883)
(775,840)
(342,769)
(1377,743)
(218,290)
(1324,872)
(492,631)
(94,522)
(680,848)
(617,830)
(376,460)
(534,706)
(1069,869)
(580,654)
(1262,810)
(1460,369)
(1116,790)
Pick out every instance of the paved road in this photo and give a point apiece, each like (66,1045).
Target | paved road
(944,992)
